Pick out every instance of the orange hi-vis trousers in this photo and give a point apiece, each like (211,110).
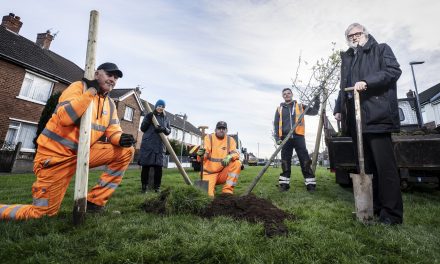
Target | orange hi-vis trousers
(228,176)
(54,174)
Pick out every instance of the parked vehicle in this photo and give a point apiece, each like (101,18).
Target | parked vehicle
(252,161)
(416,150)
(261,162)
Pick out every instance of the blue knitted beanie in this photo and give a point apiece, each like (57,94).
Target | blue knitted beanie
(159,102)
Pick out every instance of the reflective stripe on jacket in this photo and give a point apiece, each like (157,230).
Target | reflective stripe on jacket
(217,149)
(283,122)
(61,133)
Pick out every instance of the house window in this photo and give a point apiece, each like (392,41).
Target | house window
(21,132)
(36,88)
(174,133)
(128,115)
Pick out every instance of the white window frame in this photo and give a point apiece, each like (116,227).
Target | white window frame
(20,121)
(30,99)
(140,122)
(127,115)
(174,131)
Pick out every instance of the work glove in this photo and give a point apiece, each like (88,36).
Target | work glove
(279,141)
(160,129)
(92,83)
(200,152)
(226,160)
(127,140)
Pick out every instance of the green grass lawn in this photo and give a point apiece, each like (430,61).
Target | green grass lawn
(323,232)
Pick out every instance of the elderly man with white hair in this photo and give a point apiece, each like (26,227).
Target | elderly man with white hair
(372,69)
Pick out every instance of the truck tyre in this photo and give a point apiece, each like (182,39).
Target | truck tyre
(343,178)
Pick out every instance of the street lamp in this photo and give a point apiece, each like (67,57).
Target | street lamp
(258,153)
(419,112)
(184,117)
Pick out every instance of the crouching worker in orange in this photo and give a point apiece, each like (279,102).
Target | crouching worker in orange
(55,160)
(221,164)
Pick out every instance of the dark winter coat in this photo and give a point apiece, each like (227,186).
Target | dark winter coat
(377,66)
(152,148)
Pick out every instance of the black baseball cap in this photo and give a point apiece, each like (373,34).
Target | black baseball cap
(110,67)
(221,124)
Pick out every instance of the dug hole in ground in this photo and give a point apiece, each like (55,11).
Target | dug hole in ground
(190,200)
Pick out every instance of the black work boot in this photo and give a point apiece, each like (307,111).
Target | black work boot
(94,208)
(311,188)
(283,187)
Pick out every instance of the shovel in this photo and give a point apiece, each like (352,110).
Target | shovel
(362,182)
(203,185)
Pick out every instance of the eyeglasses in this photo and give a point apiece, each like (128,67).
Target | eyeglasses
(221,128)
(357,34)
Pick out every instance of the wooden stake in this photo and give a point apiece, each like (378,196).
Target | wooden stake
(319,132)
(82,166)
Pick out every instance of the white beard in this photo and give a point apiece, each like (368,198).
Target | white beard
(361,42)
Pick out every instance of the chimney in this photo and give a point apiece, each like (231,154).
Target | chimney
(44,40)
(12,22)
(138,90)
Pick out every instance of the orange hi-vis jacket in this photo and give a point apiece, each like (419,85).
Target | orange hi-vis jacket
(61,134)
(216,150)
(285,124)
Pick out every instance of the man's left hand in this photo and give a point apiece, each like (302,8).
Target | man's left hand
(226,160)
(360,86)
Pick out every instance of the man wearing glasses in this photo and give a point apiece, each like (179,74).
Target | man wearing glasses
(372,69)
(221,164)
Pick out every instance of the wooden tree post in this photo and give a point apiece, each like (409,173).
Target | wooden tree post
(170,149)
(319,132)
(83,156)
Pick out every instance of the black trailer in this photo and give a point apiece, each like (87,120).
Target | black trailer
(417,153)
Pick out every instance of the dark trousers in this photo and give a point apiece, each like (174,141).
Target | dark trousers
(157,176)
(380,161)
(299,144)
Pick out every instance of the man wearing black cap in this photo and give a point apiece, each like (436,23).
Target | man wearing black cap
(221,164)
(55,160)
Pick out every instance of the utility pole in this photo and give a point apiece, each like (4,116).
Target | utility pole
(419,112)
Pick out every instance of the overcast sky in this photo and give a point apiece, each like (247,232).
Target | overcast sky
(229,60)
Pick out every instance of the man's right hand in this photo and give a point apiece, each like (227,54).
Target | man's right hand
(200,152)
(279,142)
(92,84)
(127,140)
(338,116)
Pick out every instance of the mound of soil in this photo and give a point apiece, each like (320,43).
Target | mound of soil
(250,208)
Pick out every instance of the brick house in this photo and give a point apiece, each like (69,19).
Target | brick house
(29,74)
(430,104)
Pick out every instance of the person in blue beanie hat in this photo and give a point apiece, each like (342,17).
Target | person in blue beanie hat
(152,148)
(159,102)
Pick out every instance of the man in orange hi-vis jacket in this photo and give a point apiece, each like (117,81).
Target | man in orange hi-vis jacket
(55,160)
(221,164)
